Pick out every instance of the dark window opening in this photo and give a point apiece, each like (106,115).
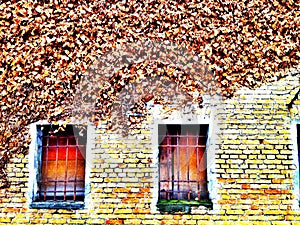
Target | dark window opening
(61,164)
(182,163)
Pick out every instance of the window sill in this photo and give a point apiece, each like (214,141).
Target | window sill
(57,205)
(181,206)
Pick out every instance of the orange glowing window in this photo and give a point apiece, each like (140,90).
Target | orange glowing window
(62,164)
(182,162)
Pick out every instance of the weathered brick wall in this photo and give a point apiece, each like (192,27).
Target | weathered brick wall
(252,172)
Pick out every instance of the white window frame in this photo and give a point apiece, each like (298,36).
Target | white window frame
(33,169)
(294,137)
(178,118)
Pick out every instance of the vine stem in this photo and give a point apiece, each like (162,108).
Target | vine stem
(290,104)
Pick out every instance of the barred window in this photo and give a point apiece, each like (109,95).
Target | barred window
(61,164)
(182,163)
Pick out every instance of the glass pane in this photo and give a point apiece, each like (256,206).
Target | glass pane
(63,168)
(183,171)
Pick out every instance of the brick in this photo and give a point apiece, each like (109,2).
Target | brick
(47,215)
(20,220)
(11,210)
(123,211)
(126,190)
(132,221)
(199,222)
(114,222)
(235,212)
(225,223)
(130,200)
(141,211)
(281,223)
(243,223)
(39,221)
(153,221)
(58,221)
(245,186)
(76,221)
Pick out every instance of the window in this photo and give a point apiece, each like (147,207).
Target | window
(60,163)
(182,167)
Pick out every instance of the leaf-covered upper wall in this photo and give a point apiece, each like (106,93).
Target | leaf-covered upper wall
(47,45)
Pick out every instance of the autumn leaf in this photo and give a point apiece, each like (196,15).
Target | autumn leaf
(48,48)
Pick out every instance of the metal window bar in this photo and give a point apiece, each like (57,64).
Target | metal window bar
(66,171)
(56,165)
(188,166)
(178,165)
(198,169)
(168,165)
(47,154)
(60,187)
(76,168)
(184,190)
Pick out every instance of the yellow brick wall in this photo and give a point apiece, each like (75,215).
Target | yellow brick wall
(253,170)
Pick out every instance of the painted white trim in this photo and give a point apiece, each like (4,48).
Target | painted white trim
(32,182)
(91,134)
(294,137)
